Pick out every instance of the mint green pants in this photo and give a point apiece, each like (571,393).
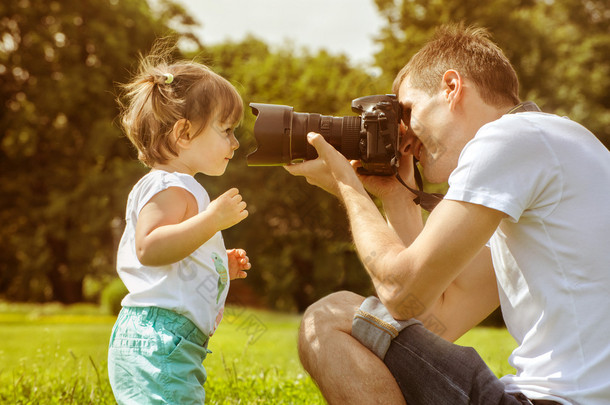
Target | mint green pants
(155,357)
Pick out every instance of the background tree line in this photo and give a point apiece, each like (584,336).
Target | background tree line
(66,169)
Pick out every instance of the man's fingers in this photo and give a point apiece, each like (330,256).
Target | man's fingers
(318,142)
(301,169)
(295,170)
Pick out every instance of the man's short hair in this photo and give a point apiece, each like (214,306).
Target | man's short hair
(470,51)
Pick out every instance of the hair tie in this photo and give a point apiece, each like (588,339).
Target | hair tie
(169,78)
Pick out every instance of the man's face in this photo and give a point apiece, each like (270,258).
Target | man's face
(427,119)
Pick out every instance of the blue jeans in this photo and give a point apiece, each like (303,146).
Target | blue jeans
(428,369)
(155,357)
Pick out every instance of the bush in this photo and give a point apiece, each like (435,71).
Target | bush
(112,295)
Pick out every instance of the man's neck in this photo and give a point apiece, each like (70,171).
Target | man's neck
(481,113)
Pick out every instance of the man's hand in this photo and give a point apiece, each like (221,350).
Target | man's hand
(327,171)
(316,173)
(379,186)
(388,186)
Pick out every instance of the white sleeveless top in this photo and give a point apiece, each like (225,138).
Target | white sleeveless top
(196,286)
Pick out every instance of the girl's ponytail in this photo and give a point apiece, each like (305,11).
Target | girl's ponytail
(163,93)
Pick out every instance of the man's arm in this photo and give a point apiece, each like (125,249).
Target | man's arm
(410,279)
(470,298)
(402,214)
(425,278)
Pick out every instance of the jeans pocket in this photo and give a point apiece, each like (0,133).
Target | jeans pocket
(184,374)
(187,354)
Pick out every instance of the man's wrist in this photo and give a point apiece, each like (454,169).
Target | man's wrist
(401,199)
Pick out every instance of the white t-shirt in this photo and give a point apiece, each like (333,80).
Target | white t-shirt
(551,254)
(196,286)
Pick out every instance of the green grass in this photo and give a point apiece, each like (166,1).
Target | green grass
(51,354)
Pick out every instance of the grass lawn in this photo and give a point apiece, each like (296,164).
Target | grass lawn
(56,355)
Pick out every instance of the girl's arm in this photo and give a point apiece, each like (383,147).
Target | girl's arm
(169,227)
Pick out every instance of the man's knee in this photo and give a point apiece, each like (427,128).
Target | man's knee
(331,314)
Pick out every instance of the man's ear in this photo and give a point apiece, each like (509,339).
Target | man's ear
(181,133)
(453,86)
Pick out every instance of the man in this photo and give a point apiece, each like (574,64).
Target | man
(525,225)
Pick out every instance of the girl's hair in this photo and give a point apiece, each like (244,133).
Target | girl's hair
(163,92)
(471,52)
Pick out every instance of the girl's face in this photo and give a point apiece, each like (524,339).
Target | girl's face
(209,152)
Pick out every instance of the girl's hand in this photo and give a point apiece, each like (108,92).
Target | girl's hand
(238,263)
(228,209)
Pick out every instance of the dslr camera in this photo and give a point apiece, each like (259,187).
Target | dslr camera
(373,137)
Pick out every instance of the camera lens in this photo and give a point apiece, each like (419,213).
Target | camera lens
(281,134)
(342,133)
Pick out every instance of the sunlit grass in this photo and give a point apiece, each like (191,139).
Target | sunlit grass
(57,355)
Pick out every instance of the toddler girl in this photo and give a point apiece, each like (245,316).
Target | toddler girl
(172,258)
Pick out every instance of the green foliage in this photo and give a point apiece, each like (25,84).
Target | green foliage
(112,295)
(66,169)
(560,49)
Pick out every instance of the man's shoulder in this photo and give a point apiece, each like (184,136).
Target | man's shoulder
(507,132)
(518,123)
(530,129)
(532,122)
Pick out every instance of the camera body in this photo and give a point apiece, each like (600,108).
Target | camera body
(373,137)
(379,133)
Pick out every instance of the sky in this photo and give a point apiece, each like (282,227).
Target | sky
(339,26)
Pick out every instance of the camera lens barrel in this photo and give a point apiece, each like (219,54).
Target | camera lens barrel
(348,129)
(343,133)
(281,134)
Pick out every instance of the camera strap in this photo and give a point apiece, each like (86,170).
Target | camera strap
(426,200)
(429,200)
(524,107)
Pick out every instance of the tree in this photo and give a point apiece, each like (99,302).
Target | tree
(66,170)
(560,49)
